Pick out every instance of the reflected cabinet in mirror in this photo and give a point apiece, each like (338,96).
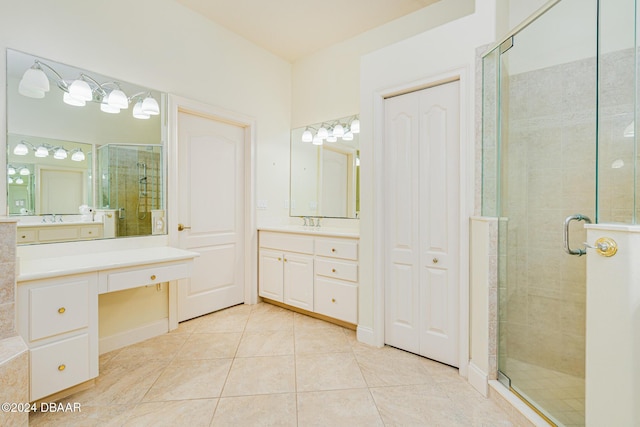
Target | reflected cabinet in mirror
(84,153)
(325,169)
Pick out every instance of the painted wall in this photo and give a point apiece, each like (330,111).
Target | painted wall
(161,45)
(435,52)
(326,85)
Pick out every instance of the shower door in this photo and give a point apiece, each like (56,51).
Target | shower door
(546,132)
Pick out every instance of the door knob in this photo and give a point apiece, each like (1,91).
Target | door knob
(183,227)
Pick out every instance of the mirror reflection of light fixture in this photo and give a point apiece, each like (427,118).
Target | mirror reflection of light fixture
(77,155)
(60,153)
(630,130)
(10,180)
(332,131)
(317,140)
(332,138)
(338,131)
(323,133)
(21,149)
(35,83)
(42,151)
(19,180)
(348,136)
(137,111)
(11,170)
(24,171)
(307,136)
(355,125)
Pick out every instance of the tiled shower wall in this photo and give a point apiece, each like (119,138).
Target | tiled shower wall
(548,154)
(126,191)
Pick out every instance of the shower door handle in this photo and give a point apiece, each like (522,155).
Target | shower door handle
(567,221)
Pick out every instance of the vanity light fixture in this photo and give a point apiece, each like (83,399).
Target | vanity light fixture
(10,180)
(317,140)
(338,131)
(19,181)
(77,155)
(24,171)
(332,138)
(35,83)
(11,170)
(332,131)
(21,149)
(307,136)
(323,133)
(355,125)
(348,136)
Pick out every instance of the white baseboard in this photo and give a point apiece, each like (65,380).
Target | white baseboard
(478,379)
(365,335)
(132,336)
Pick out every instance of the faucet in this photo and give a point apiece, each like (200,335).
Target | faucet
(318,222)
(304,221)
(311,222)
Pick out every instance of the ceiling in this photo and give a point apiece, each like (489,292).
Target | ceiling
(293,29)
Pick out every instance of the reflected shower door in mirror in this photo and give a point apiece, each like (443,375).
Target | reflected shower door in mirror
(325,169)
(66,126)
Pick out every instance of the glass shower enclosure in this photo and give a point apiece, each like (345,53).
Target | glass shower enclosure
(559,150)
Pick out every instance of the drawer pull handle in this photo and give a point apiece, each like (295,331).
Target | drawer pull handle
(333,270)
(153,277)
(333,249)
(62,367)
(435,260)
(61,310)
(24,237)
(333,300)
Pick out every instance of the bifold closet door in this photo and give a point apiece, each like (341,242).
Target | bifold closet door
(422,150)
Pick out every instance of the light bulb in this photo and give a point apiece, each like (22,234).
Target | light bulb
(24,90)
(332,138)
(42,151)
(80,89)
(137,111)
(21,149)
(34,82)
(60,154)
(70,100)
(323,133)
(317,140)
(355,126)
(348,136)
(108,108)
(307,136)
(118,99)
(150,106)
(338,130)
(77,155)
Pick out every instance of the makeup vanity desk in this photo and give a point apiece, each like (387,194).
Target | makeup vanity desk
(57,306)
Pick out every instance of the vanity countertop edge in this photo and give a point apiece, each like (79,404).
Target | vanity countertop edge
(43,268)
(314,231)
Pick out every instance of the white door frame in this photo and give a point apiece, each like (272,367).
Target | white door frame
(467,156)
(178,104)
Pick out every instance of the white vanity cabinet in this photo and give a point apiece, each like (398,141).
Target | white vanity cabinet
(314,272)
(59,232)
(58,318)
(286,269)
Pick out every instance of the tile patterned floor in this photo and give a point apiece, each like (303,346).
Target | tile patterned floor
(561,395)
(263,365)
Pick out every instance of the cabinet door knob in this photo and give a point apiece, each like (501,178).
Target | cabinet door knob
(153,277)
(333,270)
(62,310)
(62,367)
(279,259)
(333,300)
(333,249)
(435,260)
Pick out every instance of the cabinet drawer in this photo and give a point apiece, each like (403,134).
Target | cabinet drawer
(286,242)
(336,299)
(345,249)
(58,366)
(26,236)
(343,270)
(134,278)
(57,309)
(91,232)
(57,233)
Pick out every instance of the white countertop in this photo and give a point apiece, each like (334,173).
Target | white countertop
(41,268)
(317,231)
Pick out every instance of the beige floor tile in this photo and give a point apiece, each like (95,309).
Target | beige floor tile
(321,340)
(338,408)
(233,319)
(270,319)
(260,375)
(121,382)
(262,410)
(328,371)
(303,322)
(163,347)
(103,416)
(191,413)
(266,343)
(388,366)
(210,346)
(190,379)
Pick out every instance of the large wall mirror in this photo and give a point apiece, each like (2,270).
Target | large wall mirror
(85,153)
(325,169)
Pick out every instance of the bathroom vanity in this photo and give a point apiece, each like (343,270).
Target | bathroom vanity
(312,269)
(57,305)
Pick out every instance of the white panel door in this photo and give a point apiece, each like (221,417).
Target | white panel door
(421,222)
(298,280)
(271,275)
(211,203)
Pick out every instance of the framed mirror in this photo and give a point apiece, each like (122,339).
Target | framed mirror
(325,169)
(91,155)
